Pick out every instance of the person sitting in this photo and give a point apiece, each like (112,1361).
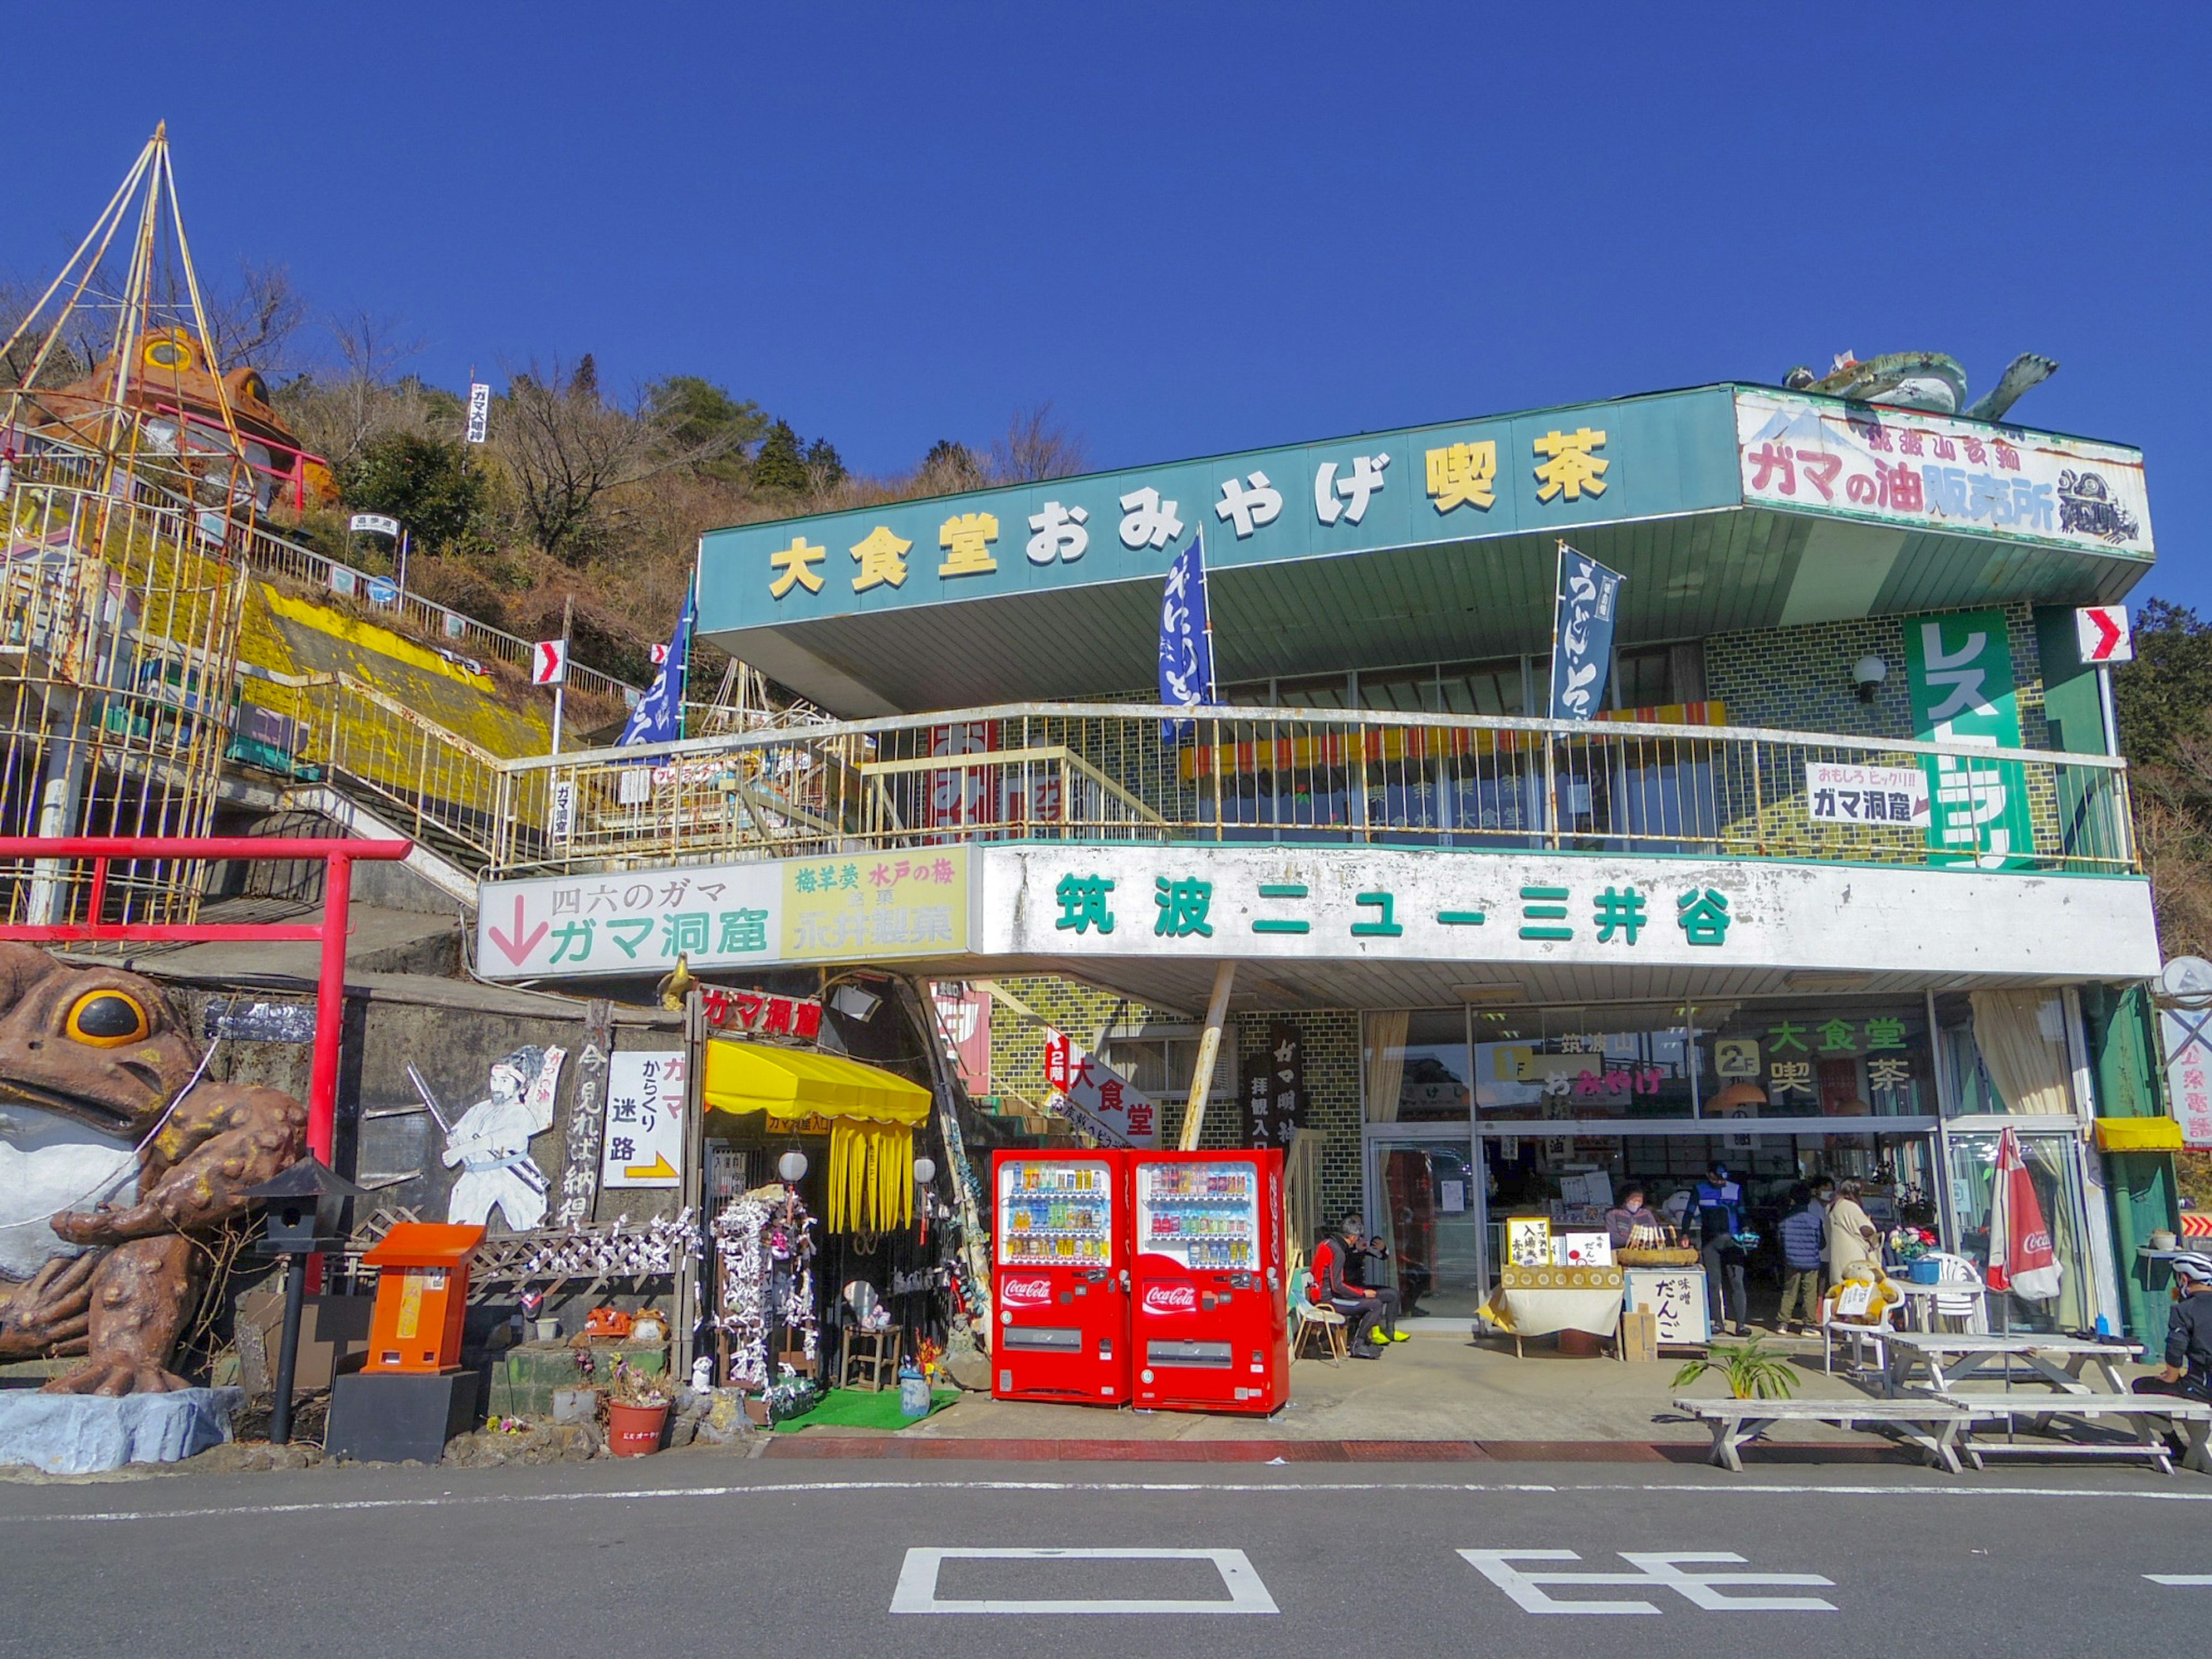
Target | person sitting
(1368,1268)
(1804,1235)
(2187,1373)
(1634,1222)
(1363,1262)
(1720,1220)
(1362,1313)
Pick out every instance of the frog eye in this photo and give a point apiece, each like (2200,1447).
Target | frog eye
(107,1019)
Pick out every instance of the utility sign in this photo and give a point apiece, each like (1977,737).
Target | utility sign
(549,663)
(479,411)
(374,523)
(2104,633)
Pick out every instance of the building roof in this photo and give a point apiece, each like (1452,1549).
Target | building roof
(1727,507)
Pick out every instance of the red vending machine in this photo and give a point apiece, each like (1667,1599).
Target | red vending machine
(1062,1291)
(1209,1328)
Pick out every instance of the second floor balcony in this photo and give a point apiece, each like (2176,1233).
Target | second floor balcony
(1134,774)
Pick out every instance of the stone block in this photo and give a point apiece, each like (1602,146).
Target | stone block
(85,1434)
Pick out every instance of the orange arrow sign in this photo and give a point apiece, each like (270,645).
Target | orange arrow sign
(659,1169)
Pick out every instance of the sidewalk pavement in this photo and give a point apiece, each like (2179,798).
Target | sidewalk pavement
(1441,1395)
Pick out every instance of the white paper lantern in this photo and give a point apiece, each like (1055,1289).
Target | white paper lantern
(925,1170)
(792,1166)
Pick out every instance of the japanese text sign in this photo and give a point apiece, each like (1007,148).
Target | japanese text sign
(1959,669)
(762,1013)
(1933,472)
(1096,1098)
(1582,634)
(1888,797)
(1186,638)
(643,1146)
(2188,1036)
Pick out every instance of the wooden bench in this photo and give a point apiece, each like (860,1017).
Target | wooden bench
(1931,1425)
(2191,1419)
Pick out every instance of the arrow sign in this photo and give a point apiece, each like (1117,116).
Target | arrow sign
(518,948)
(659,1169)
(2103,634)
(549,663)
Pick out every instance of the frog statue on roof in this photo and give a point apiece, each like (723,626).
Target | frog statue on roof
(1925,380)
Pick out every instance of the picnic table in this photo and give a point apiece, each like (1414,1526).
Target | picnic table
(1949,1358)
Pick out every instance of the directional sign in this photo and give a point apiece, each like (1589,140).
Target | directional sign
(644,1145)
(374,523)
(549,663)
(2104,633)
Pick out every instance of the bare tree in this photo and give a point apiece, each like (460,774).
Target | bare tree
(566,446)
(1037,447)
(340,414)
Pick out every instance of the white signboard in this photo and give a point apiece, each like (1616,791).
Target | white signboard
(2103,632)
(1096,1098)
(549,662)
(2188,1034)
(643,1143)
(1893,796)
(1677,1296)
(374,523)
(561,822)
(479,411)
(1933,472)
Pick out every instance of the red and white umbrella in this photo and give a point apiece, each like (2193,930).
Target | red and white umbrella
(2022,1259)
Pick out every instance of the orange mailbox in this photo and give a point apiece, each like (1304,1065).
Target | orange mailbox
(421,1296)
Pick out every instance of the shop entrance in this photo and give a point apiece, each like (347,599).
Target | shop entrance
(1425,1204)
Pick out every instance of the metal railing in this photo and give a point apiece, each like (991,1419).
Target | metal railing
(225,533)
(1112,773)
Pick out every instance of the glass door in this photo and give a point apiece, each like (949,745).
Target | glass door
(2053,1156)
(1425,1206)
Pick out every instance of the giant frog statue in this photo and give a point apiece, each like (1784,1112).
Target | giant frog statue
(114,1168)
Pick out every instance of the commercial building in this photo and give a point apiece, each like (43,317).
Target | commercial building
(1841,880)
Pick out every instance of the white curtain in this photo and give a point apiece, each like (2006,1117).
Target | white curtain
(2023,1047)
(1386,1064)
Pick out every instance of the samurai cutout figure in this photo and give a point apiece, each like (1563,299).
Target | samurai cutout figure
(491,1143)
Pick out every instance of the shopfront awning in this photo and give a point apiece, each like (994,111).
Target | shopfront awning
(791,1083)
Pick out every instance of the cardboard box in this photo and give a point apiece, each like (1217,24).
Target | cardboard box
(1639,1335)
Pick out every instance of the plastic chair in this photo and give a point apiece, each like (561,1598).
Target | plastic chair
(1317,1323)
(1972,1309)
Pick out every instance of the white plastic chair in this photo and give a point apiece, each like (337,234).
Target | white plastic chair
(1972,1309)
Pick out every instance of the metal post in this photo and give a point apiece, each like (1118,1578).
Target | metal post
(329,1009)
(693,1189)
(288,1351)
(1209,1046)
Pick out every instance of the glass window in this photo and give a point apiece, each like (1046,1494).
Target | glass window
(1816,1057)
(1557,1063)
(1483,688)
(1416,1065)
(2054,1168)
(1162,1065)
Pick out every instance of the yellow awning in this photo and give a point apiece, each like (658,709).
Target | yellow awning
(794,1084)
(2138,1134)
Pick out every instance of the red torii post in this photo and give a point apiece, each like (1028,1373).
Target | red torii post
(337,858)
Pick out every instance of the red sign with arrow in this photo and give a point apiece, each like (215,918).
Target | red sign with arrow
(2103,632)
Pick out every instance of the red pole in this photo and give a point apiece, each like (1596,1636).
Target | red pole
(329,1009)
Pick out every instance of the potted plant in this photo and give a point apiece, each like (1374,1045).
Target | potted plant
(637,1410)
(1753,1370)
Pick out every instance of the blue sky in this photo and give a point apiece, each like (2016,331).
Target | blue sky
(1191,228)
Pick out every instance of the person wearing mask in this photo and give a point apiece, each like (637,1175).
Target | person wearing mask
(1631,1215)
(1362,1313)
(1804,1237)
(2187,1373)
(1719,1202)
(1852,1237)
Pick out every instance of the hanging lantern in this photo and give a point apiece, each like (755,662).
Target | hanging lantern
(792,1166)
(925,1170)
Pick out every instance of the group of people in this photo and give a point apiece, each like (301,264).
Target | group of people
(1826,1231)
(1350,1274)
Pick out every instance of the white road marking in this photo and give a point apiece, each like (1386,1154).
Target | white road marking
(1657,1570)
(789,1488)
(917,1583)
(2181,1580)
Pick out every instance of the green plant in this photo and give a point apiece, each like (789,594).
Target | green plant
(1753,1370)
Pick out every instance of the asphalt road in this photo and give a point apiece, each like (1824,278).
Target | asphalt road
(731,1556)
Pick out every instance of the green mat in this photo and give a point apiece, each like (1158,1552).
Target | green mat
(857,1408)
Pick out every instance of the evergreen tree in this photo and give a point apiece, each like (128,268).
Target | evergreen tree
(424,482)
(824,466)
(781,465)
(2164,697)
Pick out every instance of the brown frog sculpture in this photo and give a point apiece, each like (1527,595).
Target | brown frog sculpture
(109,1181)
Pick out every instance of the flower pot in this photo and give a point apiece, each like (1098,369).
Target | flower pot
(635,1431)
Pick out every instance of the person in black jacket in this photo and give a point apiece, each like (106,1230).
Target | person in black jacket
(1361,1312)
(1368,1274)
(2188,1369)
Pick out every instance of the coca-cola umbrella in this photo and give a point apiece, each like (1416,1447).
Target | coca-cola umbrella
(2022,1258)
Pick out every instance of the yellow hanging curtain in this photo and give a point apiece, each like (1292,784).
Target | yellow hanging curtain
(871,1176)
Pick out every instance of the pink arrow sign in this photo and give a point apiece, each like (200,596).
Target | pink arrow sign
(517,949)
(2108,635)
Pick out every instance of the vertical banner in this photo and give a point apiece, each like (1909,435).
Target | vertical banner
(1582,634)
(1960,671)
(1186,640)
(2189,1072)
(479,427)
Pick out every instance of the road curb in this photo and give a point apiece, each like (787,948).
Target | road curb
(808,1444)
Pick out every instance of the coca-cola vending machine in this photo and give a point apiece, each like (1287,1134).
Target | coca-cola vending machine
(1209,1326)
(1061,1292)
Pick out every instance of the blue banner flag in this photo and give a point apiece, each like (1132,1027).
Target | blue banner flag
(1186,640)
(1582,634)
(659,716)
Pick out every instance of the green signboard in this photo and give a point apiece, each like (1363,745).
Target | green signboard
(1959,670)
